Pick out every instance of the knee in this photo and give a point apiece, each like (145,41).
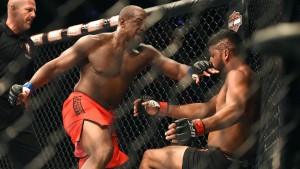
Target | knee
(148,156)
(104,153)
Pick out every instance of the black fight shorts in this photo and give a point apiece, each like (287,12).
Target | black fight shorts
(211,158)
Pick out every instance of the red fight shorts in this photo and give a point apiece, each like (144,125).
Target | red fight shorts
(79,107)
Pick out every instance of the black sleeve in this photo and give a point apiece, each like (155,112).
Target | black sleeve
(31,67)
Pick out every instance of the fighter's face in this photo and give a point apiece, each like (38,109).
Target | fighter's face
(24,14)
(216,57)
(136,26)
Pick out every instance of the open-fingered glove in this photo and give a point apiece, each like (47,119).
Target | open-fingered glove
(187,128)
(200,66)
(17,89)
(162,107)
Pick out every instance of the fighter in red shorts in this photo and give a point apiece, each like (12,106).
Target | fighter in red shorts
(108,63)
(79,108)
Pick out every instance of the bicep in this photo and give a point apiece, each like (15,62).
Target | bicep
(70,57)
(169,67)
(237,90)
(172,68)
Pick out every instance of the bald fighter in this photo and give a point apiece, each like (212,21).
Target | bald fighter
(108,63)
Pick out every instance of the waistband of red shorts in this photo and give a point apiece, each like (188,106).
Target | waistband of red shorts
(76,93)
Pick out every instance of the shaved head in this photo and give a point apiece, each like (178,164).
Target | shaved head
(20,14)
(129,12)
(132,24)
(16,3)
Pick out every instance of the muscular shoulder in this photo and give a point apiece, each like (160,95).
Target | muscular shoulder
(237,77)
(88,42)
(98,38)
(240,76)
(233,74)
(148,50)
(102,37)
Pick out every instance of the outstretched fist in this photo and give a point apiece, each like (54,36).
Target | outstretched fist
(202,68)
(17,94)
(146,104)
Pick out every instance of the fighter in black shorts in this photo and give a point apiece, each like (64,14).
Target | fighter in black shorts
(228,116)
(210,158)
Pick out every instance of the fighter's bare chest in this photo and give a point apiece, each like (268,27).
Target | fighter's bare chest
(113,62)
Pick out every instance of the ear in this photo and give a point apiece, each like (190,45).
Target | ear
(13,7)
(13,10)
(226,54)
(122,23)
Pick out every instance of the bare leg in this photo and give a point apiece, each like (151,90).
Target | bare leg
(170,157)
(96,140)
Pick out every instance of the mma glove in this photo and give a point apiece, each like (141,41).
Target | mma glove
(162,106)
(187,128)
(199,67)
(16,89)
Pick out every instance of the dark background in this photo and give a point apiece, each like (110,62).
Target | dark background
(50,12)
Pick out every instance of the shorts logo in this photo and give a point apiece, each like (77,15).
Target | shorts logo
(78,109)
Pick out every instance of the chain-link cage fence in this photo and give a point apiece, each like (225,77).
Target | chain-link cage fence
(263,14)
(137,134)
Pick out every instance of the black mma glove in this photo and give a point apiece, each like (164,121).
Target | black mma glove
(187,128)
(14,92)
(162,106)
(200,66)
(16,89)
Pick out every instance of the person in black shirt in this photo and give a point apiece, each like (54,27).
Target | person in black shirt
(16,55)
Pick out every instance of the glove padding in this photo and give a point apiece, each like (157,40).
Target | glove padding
(187,128)
(14,92)
(200,66)
(152,103)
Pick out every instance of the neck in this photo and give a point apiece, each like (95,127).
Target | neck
(12,26)
(234,64)
(123,41)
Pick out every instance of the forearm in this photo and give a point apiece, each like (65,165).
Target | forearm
(183,71)
(45,74)
(173,69)
(224,118)
(192,111)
